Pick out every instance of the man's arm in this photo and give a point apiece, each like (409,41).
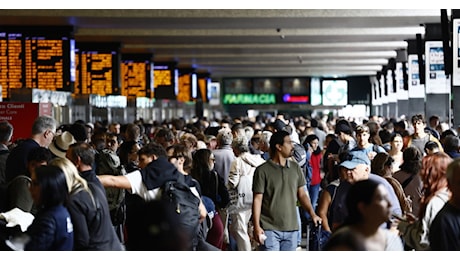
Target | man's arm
(256,209)
(111,181)
(304,200)
(323,208)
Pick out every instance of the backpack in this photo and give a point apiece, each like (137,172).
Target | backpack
(108,162)
(302,157)
(185,205)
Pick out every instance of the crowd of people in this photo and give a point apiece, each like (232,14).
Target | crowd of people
(377,184)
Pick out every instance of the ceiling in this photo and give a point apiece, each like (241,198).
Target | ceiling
(248,42)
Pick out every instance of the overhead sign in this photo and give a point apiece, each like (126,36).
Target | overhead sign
(21,116)
(249,99)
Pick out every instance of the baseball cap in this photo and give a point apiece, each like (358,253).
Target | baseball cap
(354,158)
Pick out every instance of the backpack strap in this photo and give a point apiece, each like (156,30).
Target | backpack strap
(407,181)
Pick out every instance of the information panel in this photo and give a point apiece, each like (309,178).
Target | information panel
(203,81)
(137,75)
(456,52)
(184,93)
(296,90)
(436,81)
(165,79)
(97,68)
(36,57)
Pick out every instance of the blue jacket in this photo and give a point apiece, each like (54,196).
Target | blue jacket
(51,230)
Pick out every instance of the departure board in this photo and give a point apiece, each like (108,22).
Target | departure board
(97,68)
(36,57)
(165,78)
(187,87)
(184,93)
(137,75)
(203,81)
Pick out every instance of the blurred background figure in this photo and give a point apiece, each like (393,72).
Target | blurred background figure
(415,231)
(368,208)
(408,176)
(445,229)
(157,229)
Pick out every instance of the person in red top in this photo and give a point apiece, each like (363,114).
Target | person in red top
(312,142)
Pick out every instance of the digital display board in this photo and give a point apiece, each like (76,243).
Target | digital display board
(36,57)
(436,81)
(335,92)
(315,92)
(136,75)
(296,90)
(184,93)
(97,66)
(203,81)
(165,79)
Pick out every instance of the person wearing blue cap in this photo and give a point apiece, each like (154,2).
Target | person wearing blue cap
(357,167)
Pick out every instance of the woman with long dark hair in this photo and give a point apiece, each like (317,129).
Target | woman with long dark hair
(409,178)
(212,186)
(368,208)
(52,227)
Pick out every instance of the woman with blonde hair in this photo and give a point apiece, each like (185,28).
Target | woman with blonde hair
(89,211)
(434,195)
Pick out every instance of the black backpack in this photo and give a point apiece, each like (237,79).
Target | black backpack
(185,205)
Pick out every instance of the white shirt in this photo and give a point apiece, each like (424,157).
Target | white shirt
(139,188)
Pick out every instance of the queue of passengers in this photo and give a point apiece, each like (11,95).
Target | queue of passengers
(378,184)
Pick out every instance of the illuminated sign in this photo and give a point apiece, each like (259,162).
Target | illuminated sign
(203,83)
(97,66)
(35,57)
(247,99)
(136,77)
(436,81)
(288,98)
(335,92)
(166,79)
(185,88)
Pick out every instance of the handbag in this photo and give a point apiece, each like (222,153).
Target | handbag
(241,196)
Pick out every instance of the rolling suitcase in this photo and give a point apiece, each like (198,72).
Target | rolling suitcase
(317,237)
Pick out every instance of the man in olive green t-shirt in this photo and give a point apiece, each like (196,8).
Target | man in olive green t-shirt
(277,185)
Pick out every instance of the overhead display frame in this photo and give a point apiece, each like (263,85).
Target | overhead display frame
(36,57)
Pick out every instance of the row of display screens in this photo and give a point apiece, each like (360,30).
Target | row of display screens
(52,60)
